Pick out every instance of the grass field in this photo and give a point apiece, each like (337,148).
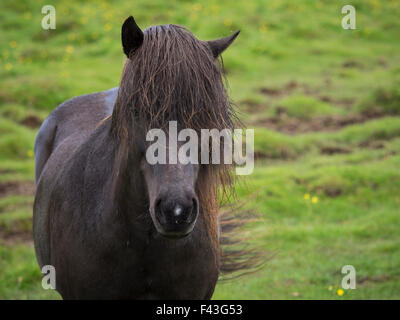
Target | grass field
(325,103)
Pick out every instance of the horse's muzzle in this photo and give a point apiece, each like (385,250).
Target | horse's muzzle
(176,218)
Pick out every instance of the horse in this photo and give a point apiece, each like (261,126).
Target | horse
(112,225)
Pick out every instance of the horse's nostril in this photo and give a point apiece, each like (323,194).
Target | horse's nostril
(158,211)
(158,204)
(194,205)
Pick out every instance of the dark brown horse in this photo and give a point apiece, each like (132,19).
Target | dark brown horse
(112,225)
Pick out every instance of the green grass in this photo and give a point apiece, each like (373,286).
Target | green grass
(292,63)
(382,100)
(311,242)
(21,278)
(305,107)
(277,145)
(15,140)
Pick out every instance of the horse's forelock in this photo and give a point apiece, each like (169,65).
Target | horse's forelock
(173,76)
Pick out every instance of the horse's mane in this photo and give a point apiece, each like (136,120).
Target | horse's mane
(173,76)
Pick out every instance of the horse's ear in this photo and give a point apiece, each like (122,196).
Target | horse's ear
(132,36)
(219,45)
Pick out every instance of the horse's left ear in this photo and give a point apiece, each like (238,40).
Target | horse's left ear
(219,45)
(132,36)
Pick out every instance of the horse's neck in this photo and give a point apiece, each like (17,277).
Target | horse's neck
(128,187)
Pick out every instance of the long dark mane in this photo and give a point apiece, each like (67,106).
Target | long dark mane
(173,76)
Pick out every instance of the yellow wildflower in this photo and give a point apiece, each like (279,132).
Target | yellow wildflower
(307,196)
(69,49)
(63,74)
(314,199)
(227,22)
(108,26)
(197,7)
(340,292)
(263,28)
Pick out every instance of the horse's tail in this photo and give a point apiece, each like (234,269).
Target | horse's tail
(238,255)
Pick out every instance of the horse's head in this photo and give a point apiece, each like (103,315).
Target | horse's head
(171,76)
(173,202)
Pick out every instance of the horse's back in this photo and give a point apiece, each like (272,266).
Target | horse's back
(73,120)
(65,129)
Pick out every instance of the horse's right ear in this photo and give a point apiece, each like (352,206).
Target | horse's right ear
(132,36)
